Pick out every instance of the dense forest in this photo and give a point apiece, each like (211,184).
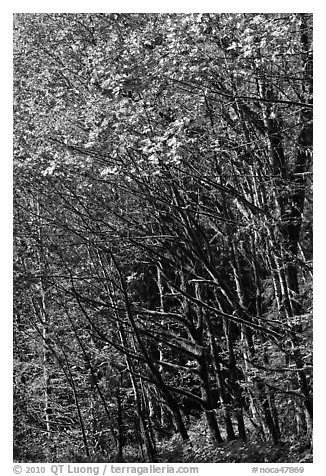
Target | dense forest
(162,237)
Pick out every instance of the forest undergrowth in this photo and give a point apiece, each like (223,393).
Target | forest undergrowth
(201,450)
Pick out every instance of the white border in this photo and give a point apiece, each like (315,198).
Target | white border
(167,6)
(319,193)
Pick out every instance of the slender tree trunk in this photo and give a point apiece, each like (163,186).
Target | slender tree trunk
(162,410)
(206,396)
(196,333)
(120,426)
(76,399)
(142,422)
(220,383)
(233,385)
(146,407)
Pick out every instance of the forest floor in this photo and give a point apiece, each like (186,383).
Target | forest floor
(230,452)
(239,452)
(288,450)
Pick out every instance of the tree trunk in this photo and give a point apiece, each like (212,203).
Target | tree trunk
(120,427)
(219,380)
(142,418)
